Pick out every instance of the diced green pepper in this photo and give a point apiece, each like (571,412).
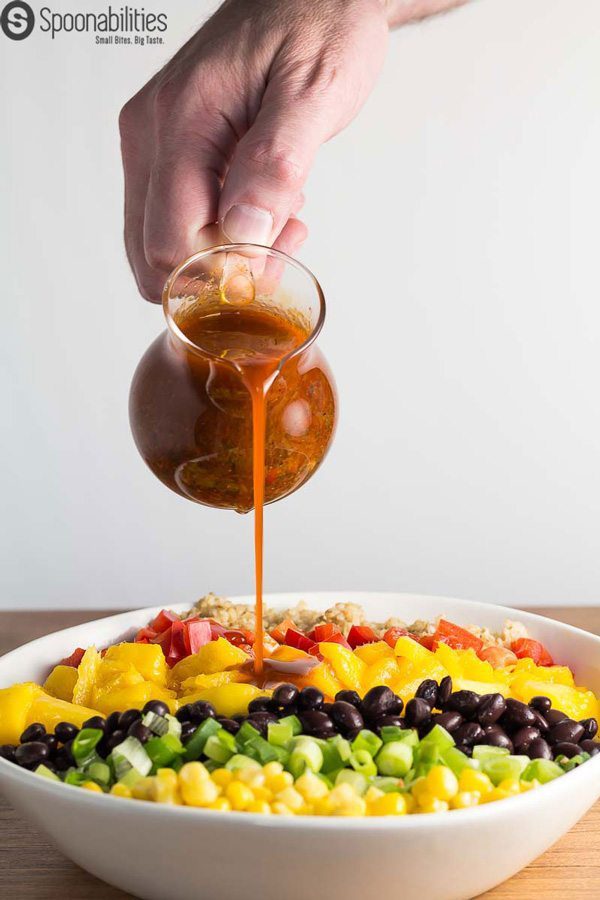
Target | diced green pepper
(367,740)
(195,746)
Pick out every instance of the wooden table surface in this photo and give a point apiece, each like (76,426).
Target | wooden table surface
(32,869)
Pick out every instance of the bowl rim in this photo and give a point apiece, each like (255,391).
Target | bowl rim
(589,771)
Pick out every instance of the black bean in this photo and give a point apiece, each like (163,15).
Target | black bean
(112,722)
(285,694)
(590,729)
(116,738)
(540,721)
(201,710)
(51,741)
(317,723)
(495,736)
(523,737)
(7,751)
(348,697)
(554,716)
(261,721)
(464,748)
(95,722)
(139,731)
(187,730)
(569,731)
(542,704)
(491,708)
(517,714)
(63,759)
(449,720)
(183,713)
(428,691)
(327,707)
(31,754)
(229,725)
(65,731)
(260,704)
(354,732)
(469,733)
(444,691)
(418,711)
(345,716)
(130,716)
(158,707)
(464,702)
(566,748)
(591,747)
(310,698)
(32,733)
(381,701)
(538,749)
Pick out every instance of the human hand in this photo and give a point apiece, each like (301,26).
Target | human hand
(226,133)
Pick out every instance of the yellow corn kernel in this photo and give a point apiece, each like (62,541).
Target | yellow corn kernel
(92,786)
(280,809)
(495,794)
(292,798)
(222,777)
(510,785)
(465,799)
(259,806)
(472,780)
(311,787)
(373,793)
(196,785)
(251,776)
(120,790)
(272,768)
(165,787)
(392,804)
(529,785)
(221,804)
(421,790)
(142,789)
(344,801)
(442,782)
(434,806)
(279,782)
(411,803)
(262,793)
(239,795)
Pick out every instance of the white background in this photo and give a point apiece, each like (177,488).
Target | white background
(454,227)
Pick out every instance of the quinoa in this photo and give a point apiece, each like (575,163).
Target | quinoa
(344,615)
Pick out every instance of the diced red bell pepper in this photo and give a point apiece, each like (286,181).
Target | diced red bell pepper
(163,620)
(145,635)
(361,634)
(196,634)
(239,638)
(456,637)
(392,635)
(279,632)
(74,659)
(427,641)
(294,638)
(323,632)
(528,648)
(172,642)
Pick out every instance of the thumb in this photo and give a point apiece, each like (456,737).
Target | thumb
(268,170)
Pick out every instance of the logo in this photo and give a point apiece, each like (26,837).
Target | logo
(17,20)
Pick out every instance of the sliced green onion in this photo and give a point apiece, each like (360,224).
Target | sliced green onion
(362,761)
(130,777)
(130,754)
(367,740)
(456,760)
(280,733)
(45,772)
(306,755)
(497,768)
(294,723)
(247,732)
(84,745)
(75,777)
(195,745)
(386,784)
(542,770)
(438,737)
(157,724)
(220,746)
(408,736)
(485,751)
(394,758)
(240,761)
(99,772)
(173,725)
(355,779)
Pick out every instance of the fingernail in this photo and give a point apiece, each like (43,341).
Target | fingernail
(246,224)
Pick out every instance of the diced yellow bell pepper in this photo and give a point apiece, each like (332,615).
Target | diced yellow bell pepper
(15,703)
(132,697)
(114,677)
(577,703)
(372,653)
(200,682)
(51,710)
(427,667)
(60,682)
(323,678)
(86,677)
(474,668)
(212,657)
(348,668)
(406,689)
(412,650)
(382,672)
(148,659)
(228,699)
(527,669)
(449,659)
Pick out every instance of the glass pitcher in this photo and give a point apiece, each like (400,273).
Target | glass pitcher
(190,407)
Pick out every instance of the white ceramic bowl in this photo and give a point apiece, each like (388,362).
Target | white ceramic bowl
(177,853)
